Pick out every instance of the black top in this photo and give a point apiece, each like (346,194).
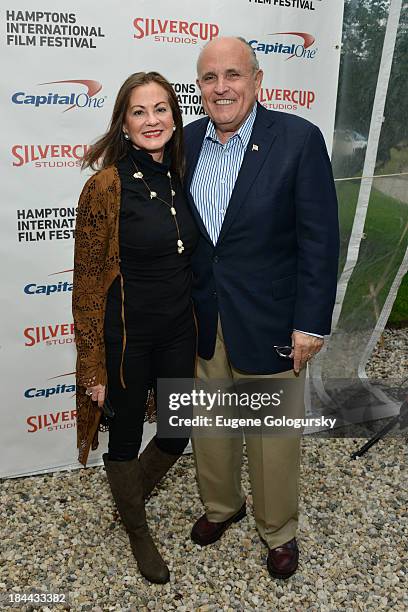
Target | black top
(157,279)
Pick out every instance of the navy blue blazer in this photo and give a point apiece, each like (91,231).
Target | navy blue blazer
(274,267)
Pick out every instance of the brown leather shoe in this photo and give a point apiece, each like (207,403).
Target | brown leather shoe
(283,560)
(205,532)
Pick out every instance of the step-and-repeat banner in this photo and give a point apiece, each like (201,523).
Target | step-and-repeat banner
(62,64)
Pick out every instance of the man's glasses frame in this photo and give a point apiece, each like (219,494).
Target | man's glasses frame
(284,351)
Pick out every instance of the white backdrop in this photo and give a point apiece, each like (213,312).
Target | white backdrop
(62,64)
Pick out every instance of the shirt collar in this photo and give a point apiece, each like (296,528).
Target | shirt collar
(244,132)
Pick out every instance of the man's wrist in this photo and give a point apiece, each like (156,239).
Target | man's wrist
(309,333)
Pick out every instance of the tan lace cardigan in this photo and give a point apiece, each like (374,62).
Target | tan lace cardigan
(96,266)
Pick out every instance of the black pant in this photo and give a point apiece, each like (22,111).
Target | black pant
(145,361)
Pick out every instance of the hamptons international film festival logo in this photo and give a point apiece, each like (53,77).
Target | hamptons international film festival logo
(174,31)
(189,99)
(52,334)
(50,29)
(306,5)
(286,99)
(46,288)
(53,391)
(288,45)
(45,224)
(64,95)
(49,155)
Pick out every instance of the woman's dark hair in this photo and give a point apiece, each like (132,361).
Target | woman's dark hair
(112,146)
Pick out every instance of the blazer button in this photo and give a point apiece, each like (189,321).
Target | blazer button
(216,259)
(214,294)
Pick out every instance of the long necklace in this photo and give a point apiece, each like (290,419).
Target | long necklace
(153,194)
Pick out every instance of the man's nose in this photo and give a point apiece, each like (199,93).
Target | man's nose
(221,86)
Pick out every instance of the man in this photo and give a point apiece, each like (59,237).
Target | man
(264,275)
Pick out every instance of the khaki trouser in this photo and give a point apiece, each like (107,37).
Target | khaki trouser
(273,462)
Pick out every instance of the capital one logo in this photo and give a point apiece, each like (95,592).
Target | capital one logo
(66,99)
(53,389)
(287,46)
(47,289)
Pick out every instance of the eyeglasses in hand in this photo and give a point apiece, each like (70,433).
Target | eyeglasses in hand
(284,351)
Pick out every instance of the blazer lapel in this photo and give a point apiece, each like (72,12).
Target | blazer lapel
(262,137)
(193,154)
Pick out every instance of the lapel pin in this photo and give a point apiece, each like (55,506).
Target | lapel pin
(254,147)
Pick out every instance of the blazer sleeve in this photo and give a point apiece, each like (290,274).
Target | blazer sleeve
(317,232)
(88,297)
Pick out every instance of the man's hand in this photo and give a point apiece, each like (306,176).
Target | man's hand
(97,394)
(304,348)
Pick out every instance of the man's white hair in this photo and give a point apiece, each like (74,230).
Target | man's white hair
(252,54)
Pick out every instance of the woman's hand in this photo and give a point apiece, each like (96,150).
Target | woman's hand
(97,394)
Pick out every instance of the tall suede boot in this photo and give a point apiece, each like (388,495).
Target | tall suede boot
(126,482)
(154,464)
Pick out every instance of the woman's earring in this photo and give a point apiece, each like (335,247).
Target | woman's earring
(174,128)
(126,136)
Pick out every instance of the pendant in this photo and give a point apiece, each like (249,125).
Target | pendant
(173,211)
(138,175)
(173,193)
(180,250)
(153,194)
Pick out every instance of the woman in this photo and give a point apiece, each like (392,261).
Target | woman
(131,297)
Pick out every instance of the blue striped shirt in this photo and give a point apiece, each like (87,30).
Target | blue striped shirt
(216,172)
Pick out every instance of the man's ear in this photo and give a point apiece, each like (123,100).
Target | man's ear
(258,81)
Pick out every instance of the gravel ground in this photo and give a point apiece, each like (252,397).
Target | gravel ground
(390,357)
(60,533)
